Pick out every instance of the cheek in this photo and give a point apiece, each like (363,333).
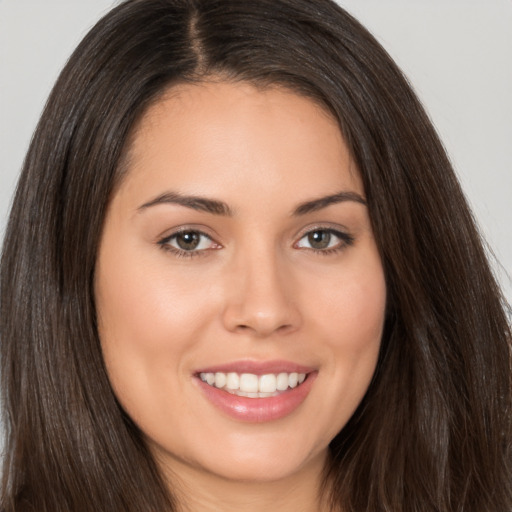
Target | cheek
(351,307)
(141,303)
(349,319)
(362,310)
(148,322)
(148,325)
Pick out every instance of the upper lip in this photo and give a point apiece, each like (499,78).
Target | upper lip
(257,367)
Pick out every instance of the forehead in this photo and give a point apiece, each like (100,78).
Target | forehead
(197,137)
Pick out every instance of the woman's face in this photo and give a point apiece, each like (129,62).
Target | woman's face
(239,290)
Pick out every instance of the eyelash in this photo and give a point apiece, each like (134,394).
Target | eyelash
(345,240)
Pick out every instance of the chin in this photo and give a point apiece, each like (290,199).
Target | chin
(248,458)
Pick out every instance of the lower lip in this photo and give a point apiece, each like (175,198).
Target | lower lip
(258,410)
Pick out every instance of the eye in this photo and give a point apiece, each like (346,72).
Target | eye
(324,240)
(188,242)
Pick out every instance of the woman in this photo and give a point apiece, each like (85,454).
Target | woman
(240,273)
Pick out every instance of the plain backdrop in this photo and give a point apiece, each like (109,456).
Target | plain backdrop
(456,53)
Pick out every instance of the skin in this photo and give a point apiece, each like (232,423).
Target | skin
(255,289)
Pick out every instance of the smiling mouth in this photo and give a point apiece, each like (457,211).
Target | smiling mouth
(251,385)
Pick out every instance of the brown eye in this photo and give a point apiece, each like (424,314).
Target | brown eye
(188,240)
(325,240)
(319,239)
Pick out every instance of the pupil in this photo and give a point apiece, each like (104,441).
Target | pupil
(188,240)
(319,239)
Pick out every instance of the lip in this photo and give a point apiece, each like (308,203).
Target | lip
(257,410)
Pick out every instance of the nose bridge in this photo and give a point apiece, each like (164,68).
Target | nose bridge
(261,298)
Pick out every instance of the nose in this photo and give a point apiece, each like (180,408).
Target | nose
(261,300)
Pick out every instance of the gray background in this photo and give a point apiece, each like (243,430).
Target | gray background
(457,54)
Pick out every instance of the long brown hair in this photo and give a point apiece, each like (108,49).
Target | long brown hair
(433,432)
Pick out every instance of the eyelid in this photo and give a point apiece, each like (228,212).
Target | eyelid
(184,228)
(326,226)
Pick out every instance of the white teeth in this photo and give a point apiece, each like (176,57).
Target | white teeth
(282,382)
(251,385)
(220,380)
(233,381)
(267,383)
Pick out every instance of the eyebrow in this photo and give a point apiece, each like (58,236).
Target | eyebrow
(322,202)
(217,207)
(202,204)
